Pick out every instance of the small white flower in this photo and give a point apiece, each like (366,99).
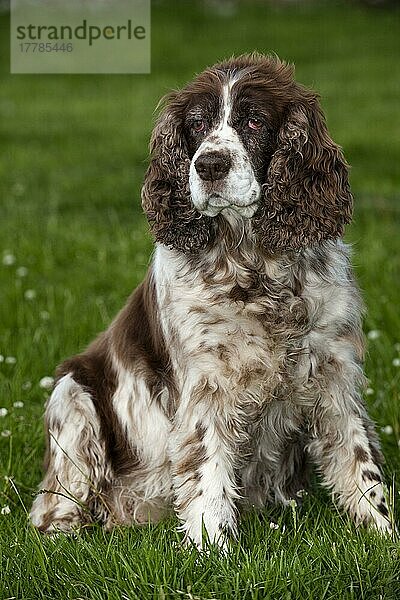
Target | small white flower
(44,315)
(30,295)
(46,383)
(26,385)
(301,493)
(388,429)
(1,358)
(6,433)
(8,259)
(369,391)
(396,362)
(3,412)
(5,510)
(22,272)
(18,404)
(10,360)
(273,525)
(373,334)
(397,347)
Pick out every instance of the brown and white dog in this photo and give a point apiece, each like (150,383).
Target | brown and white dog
(238,361)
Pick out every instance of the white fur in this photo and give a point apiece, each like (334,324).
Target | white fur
(147,429)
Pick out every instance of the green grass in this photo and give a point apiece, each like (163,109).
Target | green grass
(70,174)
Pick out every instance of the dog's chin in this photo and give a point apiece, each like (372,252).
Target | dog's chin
(215,205)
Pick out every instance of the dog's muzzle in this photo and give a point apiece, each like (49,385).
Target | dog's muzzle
(223,179)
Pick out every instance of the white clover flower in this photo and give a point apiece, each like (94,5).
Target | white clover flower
(44,315)
(273,525)
(374,334)
(8,259)
(26,385)
(5,510)
(396,362)
(46,383)
(1,358)
(21,272)
(18,404)
(369,391)
(388,429)
(3,412)
(10,360)
(6,433)
(30,295)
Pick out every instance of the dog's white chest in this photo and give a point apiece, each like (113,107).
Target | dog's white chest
(215,333)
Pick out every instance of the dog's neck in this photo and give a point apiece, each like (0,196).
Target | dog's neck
(235,260)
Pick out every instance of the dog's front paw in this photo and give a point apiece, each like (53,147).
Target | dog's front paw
(373,510)
(53,513)
(209,531)
(67,524)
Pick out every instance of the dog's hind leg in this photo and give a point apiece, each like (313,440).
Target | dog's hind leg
(75,462)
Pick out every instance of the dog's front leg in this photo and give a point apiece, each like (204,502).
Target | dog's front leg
(344,444)
(203,454)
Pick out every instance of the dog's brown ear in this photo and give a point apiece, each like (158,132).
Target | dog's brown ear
(173,219)
(307,196)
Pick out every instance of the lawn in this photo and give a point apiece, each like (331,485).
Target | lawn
(74,243)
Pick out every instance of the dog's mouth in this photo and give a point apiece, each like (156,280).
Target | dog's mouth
(216,204)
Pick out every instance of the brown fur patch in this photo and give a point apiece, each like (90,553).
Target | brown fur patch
(369,475)
(94,372)
(383,509)
(194,458)
(238,294)
(195,452)
(361,455)
(47,521)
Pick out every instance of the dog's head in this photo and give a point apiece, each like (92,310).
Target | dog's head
(245,137)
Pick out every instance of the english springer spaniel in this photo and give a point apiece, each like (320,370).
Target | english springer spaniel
(237,363)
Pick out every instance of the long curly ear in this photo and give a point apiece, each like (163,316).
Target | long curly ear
(173,219)
(307,195)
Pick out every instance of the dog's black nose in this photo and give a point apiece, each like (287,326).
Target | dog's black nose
(213,166)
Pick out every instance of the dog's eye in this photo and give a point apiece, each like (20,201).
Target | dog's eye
(254,123)
(198,125)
